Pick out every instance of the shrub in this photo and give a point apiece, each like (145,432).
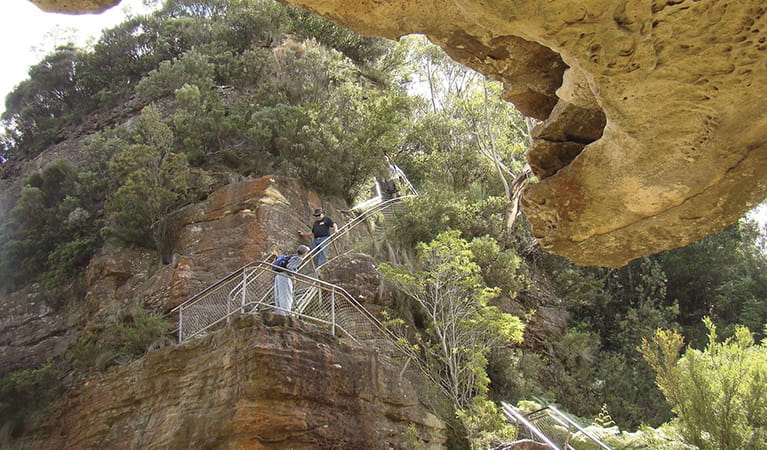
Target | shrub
(137,332)
(25,393)
(719,393)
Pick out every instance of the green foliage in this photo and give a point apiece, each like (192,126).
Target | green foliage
(189,69)
(499,268)
(665,437)
(412,440)
(485,424)
(24,394)
(51,230)
(437,209)
(515,373)
(129,336)
(618,308)
(360,49)
(717,393)
(151,181)
(728,283)
(67,257)
(461,328)
(38,108)
(236,92)
(255,87)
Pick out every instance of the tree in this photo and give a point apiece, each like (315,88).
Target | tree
(728,284)
(465,132)
(718,393)
(37,108)
(52,229)
(460,329)
(151,179)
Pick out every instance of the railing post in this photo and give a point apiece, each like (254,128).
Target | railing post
(180,326)
(333,311)
(244,290)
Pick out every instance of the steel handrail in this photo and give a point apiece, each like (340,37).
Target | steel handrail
(308,280)
(311,281)
(348,226)
(558,417)
(305,316)
(307,258)
(579,428)
(191,300)
(512,414)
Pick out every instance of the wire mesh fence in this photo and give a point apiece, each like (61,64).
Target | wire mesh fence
(214,305)
(251,289)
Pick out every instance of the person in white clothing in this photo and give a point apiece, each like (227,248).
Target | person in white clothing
(283,285)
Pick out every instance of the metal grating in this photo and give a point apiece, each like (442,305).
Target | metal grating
(251,289)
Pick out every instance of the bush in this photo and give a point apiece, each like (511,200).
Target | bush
(719,394)
(24,394)
(107,344)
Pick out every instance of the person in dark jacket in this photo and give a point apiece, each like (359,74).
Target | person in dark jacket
(322,228)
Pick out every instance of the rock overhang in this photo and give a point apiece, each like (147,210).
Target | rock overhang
(75,6)
(653,132)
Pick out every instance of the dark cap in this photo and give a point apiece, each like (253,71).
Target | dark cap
(318,211)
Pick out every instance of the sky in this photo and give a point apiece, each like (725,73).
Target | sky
(28,33)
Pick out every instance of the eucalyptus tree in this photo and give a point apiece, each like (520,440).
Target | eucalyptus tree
(460,328)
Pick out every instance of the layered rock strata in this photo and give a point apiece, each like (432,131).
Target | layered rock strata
(237,224)
(31,331)
(262,382)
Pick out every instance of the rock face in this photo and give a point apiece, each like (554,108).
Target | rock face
(260,383)
(670,95)
(358,275)
(75,6)
(237,224)
(31,331)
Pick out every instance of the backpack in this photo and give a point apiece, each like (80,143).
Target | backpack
(282,261)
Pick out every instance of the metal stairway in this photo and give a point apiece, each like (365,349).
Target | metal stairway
(251,288)
(367,210)
(547,426)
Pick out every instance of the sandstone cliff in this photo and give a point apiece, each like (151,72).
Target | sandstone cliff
(237,224)
(262,382)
